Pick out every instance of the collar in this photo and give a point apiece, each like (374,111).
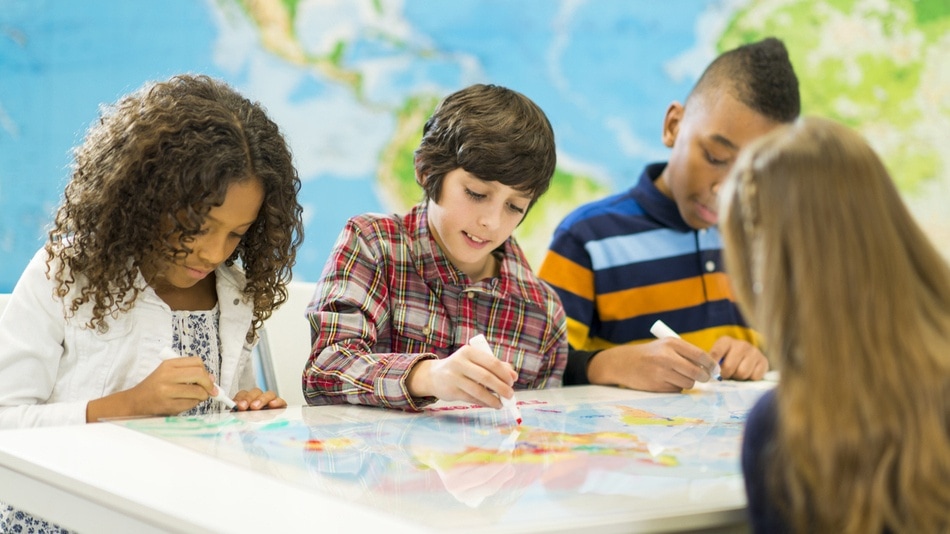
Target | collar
(229,281)
(515,279)
(654,203)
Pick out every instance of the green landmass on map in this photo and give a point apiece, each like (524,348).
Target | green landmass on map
(873,66)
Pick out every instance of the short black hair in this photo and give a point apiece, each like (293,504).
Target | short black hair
(760,75)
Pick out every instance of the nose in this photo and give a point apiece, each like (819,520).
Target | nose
(213,248)
(490,217)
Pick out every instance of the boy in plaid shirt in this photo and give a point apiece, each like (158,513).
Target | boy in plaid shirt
(400,296)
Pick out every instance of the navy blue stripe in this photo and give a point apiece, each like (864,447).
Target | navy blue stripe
(656,272)
(683,320)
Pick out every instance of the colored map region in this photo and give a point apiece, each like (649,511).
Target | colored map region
(458,461)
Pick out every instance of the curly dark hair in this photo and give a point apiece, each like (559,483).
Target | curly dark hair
(760,75)
(492,132)
(145,177)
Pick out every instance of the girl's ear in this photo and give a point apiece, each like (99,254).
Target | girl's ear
(671,123)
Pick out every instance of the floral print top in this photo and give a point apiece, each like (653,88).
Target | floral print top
(195,333)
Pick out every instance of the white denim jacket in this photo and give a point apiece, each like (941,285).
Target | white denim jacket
(52,366)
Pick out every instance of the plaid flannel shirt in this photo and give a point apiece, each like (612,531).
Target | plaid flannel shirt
(389,298)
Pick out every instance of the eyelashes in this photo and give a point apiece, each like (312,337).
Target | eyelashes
(478,197)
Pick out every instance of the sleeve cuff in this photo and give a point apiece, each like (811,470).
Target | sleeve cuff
(575,374)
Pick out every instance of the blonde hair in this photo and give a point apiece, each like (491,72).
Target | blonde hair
(853,302)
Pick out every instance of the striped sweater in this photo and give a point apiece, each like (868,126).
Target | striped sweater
(622,262)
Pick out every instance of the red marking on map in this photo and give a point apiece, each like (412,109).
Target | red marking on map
(476,406)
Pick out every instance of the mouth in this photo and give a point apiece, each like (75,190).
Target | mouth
(707,215)
(477,241)
(197,274)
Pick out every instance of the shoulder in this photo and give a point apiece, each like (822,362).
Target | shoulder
(40,274)
(38,277)
(376,226)
(617,214)
(621,202)
(760,426)
(521,279)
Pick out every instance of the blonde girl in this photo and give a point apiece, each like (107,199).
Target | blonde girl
(853,302)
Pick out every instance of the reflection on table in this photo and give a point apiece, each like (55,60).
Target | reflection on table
(584,456)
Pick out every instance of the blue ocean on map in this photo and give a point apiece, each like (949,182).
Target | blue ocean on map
(62,60)
(338,75)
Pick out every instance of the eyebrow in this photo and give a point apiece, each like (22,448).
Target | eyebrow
(724,141)
(219,221)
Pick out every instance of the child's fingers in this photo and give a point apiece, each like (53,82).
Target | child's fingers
(692,353)
(256,399)
(277,402)
(477,393)
(262,400)
(500,370)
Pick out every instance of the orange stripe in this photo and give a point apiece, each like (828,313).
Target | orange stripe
(577,334)
(668,296)
(567,275)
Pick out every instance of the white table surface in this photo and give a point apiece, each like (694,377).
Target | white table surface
(108,477)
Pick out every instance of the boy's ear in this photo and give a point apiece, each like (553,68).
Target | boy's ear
(671,123)
(420,179)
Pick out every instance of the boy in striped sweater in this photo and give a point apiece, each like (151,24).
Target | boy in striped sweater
(653,251)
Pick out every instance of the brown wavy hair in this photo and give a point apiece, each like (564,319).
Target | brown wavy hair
(145,177)
(492,132)
(853,301)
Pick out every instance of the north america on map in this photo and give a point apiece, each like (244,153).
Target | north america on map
(351,82)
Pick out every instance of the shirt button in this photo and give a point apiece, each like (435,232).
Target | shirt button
(426,330)
(237,301)
(471,294)
(710,266)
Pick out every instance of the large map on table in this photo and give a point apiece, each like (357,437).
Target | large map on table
(457,465)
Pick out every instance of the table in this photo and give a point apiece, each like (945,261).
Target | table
(585,458)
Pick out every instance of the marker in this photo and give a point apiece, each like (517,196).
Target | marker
(660,330)
(167,354)
(510,405)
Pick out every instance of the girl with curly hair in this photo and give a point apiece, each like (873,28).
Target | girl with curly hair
(178,229)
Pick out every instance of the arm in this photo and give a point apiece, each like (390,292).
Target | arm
(568,270)
(351,310)
(470,374)
(31,345)
(652,366)
(64,378)
(575,374)
(249,396)
(664,365)
(758,445)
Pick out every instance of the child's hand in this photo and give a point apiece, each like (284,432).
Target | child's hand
(256,399)
(741,360)
(664,365)
(469,375)
(175,386)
